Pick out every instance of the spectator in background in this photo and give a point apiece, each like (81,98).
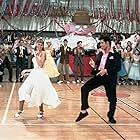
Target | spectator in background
(64,62)
(21,53)
(1,39)
(8,59)
(78,53)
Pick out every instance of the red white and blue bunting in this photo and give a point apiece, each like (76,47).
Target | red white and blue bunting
(110,12)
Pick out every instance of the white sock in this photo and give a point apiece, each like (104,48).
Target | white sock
(83,111)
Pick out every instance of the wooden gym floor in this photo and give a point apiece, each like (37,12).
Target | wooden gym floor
(59,123)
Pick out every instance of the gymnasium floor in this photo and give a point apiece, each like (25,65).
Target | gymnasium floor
(59,123)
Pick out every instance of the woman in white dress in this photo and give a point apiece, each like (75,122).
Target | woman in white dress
(37,89)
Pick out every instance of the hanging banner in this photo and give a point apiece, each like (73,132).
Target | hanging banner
(3,7)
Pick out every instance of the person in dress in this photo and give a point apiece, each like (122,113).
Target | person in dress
(127,60)
(49,64)
(134,72)
(37,88)
(122,73)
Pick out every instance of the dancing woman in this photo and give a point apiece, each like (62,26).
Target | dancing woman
(37,89)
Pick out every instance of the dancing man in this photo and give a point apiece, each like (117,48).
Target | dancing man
(106,66)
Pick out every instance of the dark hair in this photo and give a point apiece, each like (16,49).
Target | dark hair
(79,42)
(98,45)
(118,42)
(136,49)
(129,47)
(65,40)
(105,39)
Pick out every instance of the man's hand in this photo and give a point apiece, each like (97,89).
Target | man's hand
(102,72)
(92,63)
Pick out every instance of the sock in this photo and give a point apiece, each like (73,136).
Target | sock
(83,111)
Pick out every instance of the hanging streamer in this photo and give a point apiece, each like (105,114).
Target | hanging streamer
(12,7)
(30,7)
(7,10)
(113,14)
(22,7)
(136,10)
(26,7)
(3,7)
(127,9)
(120,11)
(18,8)
(91,4)
(15,8)
(40,6)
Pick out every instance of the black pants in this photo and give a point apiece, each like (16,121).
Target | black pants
(81,66)
(8,65)
(1,70)
(109,82)
(20,66)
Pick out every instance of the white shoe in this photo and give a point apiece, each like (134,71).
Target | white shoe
(78,81)
(0,86)
(68,82)
(40,115)
(73,82)
(59,82)
(82,82)
(18,113)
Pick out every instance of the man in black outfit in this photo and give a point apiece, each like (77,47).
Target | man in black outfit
(8,59)
(106,66)
(21,53)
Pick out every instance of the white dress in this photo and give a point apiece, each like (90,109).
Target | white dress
(134,72)
(38,89)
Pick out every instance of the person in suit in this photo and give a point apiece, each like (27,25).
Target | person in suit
(1,69)
(21,53)
(78,53)
(64,62)
(106,66)
(2,57)
(8,60)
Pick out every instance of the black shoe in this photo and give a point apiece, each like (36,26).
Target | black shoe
(16,81)
(21,79)
(112,120)
(10,80)
(81,116)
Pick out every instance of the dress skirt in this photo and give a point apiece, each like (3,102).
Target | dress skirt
(38,89)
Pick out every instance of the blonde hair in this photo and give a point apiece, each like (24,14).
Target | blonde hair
(40,41)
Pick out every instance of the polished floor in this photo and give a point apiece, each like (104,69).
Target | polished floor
(59,123)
